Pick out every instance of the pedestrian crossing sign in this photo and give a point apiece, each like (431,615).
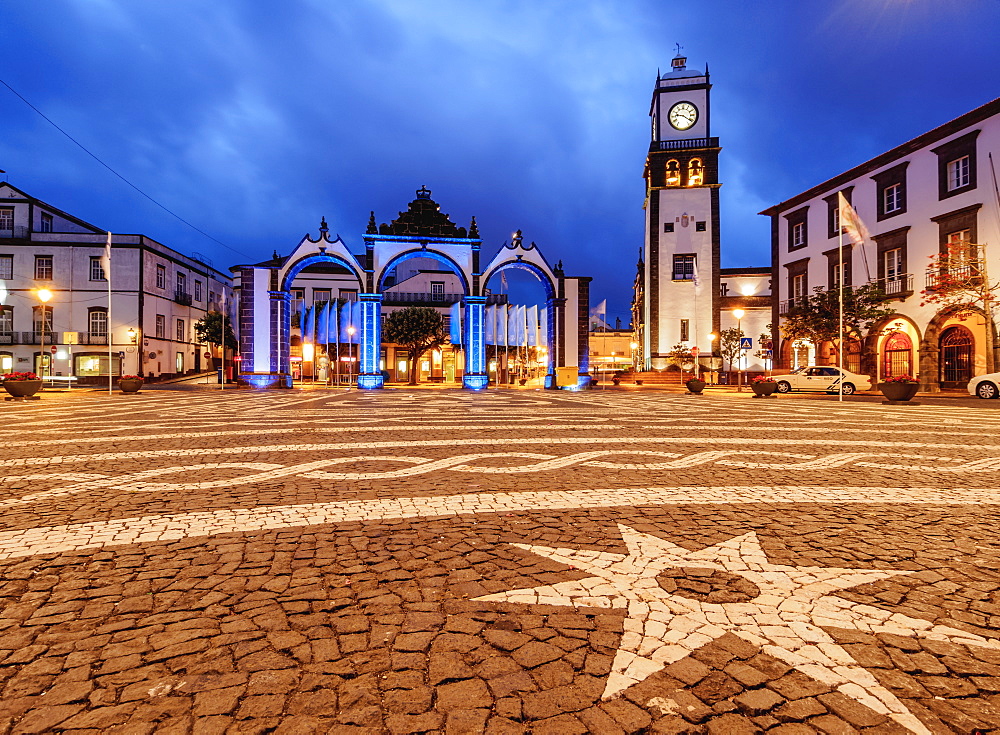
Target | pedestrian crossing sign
(746,343)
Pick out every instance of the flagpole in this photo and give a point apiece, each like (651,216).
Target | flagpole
(111,330)
(223,362)
(840,348)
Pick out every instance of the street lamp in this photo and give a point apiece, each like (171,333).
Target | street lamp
(739,313)
(44,295)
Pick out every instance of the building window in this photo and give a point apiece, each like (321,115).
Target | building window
(890,187)
(796,290)
(957,165)
(798,227)
(96,269)
(97,322)
(723,289)
(97,364)
(700,226)
(161,326)
(43,267)
(182,285)
(833,210)
(6,218)
(197,290)
(893,264)
(799,235)
(42,319)
(840,272)
(958,173)
(298,296)
(6,323)
(46,223)
(179,363)
(685,330)
(668,226)
(349,294)
(437,291)
(6,267)
(684,267)
(892,198)
(161,276)
(321,294)
(181,333)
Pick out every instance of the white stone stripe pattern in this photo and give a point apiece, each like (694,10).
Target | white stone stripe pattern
(155,528)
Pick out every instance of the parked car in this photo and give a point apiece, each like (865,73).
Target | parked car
(985,386)
(822,378)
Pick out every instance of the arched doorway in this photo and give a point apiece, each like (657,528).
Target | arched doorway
(957,347)
(897,355)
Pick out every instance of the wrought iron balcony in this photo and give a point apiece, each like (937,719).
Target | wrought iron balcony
(956,277)
(93,338)
(183,298)
(900,286)
(787,307)
(35,338)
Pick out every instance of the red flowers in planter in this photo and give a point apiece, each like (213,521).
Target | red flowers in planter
(20,376)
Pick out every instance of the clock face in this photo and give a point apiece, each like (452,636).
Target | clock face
(683,115)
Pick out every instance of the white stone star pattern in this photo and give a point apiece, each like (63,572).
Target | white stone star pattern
(786,619)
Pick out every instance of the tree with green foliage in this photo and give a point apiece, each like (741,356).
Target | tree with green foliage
(817,317)
(729,344)
(209,329)
(418,329)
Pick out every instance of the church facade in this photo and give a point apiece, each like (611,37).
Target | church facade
(677,288)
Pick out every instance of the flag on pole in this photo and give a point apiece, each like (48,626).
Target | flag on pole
(854,228)
(306,325)
(323,324)
(455,323)
(345,323)
(533,326)
(502,325)
(543,327)
(522,325)
(503,281)
(356,322)
(106,259)
(598,313)
(490,327)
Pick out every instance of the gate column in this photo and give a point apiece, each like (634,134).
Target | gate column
(476,377)
(370,375)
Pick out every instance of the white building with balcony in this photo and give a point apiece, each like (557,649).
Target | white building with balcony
(932,194)
(157,295)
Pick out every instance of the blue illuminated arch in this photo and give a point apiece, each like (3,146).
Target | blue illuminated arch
(537,272)
(302,263)
(422,253)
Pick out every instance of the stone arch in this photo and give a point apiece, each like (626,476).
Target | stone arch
(532,268)
(870,353)
(291,270)
(930,353)
(427,252)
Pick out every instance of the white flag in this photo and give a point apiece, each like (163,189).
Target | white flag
(854,228)
(106,259)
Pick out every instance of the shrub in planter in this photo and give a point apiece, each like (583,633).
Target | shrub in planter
(130,383)
(22,385)
(763,385)
(899,388)
(695,385)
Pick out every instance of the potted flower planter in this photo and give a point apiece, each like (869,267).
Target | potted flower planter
(898,391)
(638,382)
(129,383)
(763,388)
(22,387)
(695,386)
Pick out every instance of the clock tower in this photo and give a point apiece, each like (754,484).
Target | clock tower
(679,270)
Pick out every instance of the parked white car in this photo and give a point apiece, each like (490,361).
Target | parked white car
(985,386)
(826,378)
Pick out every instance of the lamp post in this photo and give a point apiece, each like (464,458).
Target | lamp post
(44,295)
(711,352)
(738,313)
(635,363)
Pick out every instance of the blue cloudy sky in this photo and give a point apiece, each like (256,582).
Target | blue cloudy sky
(253,119)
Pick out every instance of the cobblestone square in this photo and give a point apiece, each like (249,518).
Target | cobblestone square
(501,562)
